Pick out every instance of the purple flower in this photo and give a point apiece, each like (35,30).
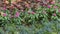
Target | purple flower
(17,14)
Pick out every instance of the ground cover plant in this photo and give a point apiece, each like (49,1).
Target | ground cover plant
(29,17)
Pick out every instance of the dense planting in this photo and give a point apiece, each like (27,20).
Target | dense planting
(29,17)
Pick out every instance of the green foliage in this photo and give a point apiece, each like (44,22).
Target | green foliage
(43,20)
(45,28)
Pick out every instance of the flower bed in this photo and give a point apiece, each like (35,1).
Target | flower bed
(30,17)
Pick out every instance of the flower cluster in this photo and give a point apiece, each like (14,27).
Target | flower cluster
(23,4)
(30,11)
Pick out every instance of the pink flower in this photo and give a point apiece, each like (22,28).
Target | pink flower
(54,14)
(53,2)
(4,8)
(59,10)
(17,14)
(4,14)
(55,7)
(47,1)
(49,6)
(31,12)
(27,5)
(44,5)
